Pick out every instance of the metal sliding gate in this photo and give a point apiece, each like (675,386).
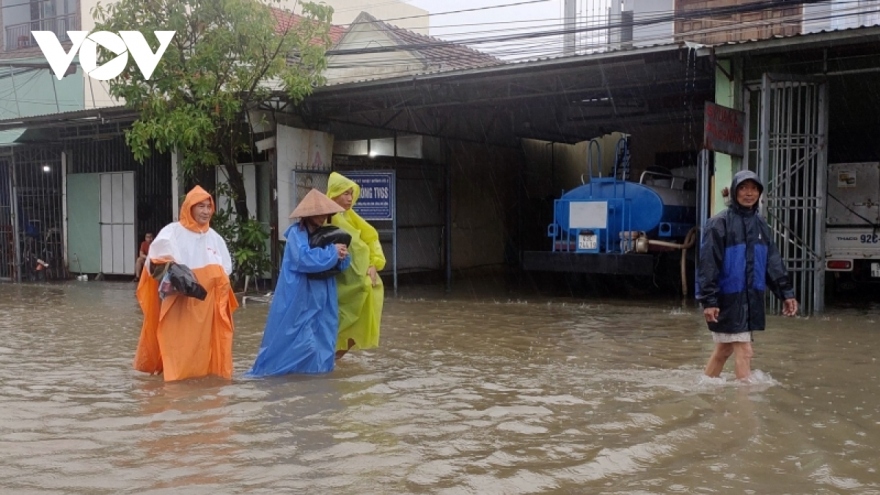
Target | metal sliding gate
(790,148)
(31,219)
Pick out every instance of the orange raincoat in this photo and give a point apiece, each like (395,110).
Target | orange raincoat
(183,337)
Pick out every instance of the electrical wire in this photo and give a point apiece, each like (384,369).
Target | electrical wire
(510,41)
(550,46)
(541,46)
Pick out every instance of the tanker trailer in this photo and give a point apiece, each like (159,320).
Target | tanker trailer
(614,226)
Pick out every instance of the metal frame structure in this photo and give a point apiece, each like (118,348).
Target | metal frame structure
(9,260)
(792,163)
(33,191)
(34,247)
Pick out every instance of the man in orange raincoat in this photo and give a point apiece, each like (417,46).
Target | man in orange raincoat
(184,337)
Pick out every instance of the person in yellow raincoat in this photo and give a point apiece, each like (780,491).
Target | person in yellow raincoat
(184,337)
(360,291)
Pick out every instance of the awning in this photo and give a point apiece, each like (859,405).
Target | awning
(8,137)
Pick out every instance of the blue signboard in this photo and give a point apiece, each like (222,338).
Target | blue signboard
(376,201)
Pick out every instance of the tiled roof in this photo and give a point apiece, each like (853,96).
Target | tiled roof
(435,52)
(30,52)
(285,20)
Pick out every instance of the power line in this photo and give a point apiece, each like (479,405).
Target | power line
(475,9)
(664,17)
(547,41)
(529,47)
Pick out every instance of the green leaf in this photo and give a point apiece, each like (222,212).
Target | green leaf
(196,99)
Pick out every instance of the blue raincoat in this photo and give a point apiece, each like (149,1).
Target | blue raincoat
(300,334)
(738,262)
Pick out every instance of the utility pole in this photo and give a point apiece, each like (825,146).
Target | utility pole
(614,21)
(569,44)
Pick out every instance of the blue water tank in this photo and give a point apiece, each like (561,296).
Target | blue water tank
(607,206)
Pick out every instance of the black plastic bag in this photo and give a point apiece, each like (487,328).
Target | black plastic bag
(184,281)
(324,236)
(175,278)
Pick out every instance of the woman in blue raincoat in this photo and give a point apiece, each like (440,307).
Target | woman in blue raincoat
(303,321)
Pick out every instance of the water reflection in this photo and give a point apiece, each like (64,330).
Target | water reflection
(471,393)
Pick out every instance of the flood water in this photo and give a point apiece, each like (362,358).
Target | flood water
(468,394)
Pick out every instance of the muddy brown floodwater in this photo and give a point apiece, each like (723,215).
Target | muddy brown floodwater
(468,394)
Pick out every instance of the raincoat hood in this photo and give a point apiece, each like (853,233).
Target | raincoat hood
(338,184)
(193,197)
(739,178)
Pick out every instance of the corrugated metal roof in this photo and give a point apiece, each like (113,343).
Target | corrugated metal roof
(561,59)
(702,50)
(71,117)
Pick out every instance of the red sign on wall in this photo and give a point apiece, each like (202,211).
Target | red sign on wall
(723,129)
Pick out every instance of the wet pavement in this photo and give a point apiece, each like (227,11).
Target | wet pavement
(473,392)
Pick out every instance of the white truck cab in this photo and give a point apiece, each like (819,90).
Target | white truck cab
(852,228)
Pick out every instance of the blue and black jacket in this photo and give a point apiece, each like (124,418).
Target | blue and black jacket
(738,262)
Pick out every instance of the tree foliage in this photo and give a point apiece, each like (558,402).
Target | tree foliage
(227,57)
(247,240)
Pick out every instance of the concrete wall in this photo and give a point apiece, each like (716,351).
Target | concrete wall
(651,34)
(554,168)
(301,150)
(557,167)
(96,94)
(348,68)
(35,92)
(38,92)
(840,14)
(483,182)
(759,24)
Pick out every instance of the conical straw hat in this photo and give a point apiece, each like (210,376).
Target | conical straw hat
(314,204)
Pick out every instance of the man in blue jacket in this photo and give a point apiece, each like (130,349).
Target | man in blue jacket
(738,261)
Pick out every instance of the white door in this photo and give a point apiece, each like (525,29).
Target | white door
(118,240)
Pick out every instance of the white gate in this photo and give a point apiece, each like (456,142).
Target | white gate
(118,241)
(792,162)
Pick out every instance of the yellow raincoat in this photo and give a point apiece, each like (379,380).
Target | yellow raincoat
(183,337)
(360,304)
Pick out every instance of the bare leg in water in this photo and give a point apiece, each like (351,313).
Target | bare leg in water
(342,352)
(742,352)
(717,360)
